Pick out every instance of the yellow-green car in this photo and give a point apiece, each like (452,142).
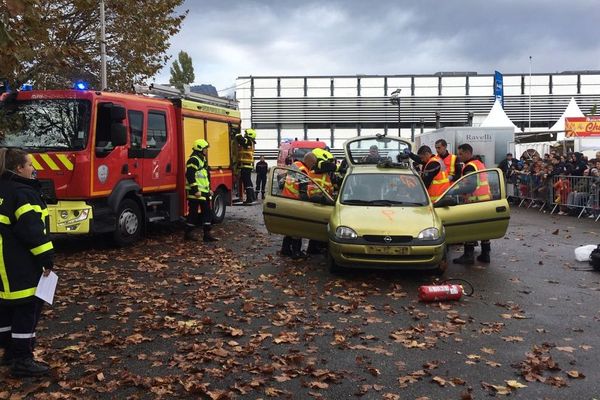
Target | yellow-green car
(382,216)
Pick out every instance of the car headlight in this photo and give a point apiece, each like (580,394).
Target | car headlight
(429,234)
(343,232)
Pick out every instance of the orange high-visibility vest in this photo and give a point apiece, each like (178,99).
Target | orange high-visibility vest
(482,192)
(450,163)
(291,188)
(323,180)
(440,182)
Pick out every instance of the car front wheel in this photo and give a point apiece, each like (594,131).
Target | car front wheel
(332,267)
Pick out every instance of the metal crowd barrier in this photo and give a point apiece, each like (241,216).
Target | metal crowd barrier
(572,195)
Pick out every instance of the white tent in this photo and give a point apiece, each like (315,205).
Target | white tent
(498,118)
(571,111)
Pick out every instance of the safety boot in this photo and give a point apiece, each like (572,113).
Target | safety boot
(24,367)
(7,358)
(249,196)
(484,257)
(468,258)
(207,236)
(189,233)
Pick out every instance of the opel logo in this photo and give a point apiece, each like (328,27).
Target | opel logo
(387,239)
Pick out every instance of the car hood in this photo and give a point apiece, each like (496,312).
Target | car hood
(366,220)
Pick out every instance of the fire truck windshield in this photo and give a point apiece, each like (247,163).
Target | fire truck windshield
(45,124)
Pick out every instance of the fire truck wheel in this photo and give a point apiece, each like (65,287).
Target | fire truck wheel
(129,223)
(219,205)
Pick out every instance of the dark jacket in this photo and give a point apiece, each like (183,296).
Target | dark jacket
(261,168)
(506,165)
(26,246)
(579,165)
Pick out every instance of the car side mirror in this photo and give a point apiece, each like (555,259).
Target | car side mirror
(118,134)
(117,113)
(445,202)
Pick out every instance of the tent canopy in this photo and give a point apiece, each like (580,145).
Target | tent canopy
(571,111)
(498,118)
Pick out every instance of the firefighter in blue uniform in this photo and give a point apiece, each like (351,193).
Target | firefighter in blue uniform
(26,253)
(197,185)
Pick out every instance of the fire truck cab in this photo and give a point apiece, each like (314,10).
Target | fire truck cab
(113,162)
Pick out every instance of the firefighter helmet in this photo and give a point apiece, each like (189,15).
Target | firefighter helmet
(323,155)
(200,145)
(251,133)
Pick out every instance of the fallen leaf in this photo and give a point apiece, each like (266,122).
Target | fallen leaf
(575,374)
(515,384)
(566,349)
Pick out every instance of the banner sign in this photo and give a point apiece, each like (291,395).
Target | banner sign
(582,126)
(499,87)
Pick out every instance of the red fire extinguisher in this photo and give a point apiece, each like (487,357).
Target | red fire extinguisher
(444,291)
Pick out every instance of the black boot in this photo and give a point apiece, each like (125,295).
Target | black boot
(297,252)
(262,194)
(189,233)
(7,358)
(484,257)
(286,246)
(207,236)
(249,196)
(468,258)
(23,367)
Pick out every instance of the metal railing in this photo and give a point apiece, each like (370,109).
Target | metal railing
(565,195)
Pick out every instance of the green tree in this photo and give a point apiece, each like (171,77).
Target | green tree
(182,71)
(54,42)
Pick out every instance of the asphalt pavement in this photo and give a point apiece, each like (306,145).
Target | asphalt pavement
(168,319)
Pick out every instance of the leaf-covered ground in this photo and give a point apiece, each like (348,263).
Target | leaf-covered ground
(168,319)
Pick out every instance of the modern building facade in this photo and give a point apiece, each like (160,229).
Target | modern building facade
(335,108)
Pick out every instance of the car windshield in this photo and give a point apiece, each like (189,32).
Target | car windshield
(383,190)
(45,124)
(376,150)
(299,153)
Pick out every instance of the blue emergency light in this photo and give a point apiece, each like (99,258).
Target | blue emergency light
(26,87)
(81,85)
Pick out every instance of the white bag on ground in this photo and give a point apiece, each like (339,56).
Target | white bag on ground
(582,253)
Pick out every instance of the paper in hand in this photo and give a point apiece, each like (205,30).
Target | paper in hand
(46,287)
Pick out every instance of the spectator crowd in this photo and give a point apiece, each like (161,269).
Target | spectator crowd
(569,184)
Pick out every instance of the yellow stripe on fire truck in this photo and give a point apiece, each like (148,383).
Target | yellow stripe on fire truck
(43,161)
(50,162)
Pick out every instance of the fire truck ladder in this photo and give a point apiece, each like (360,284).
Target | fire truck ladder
(168,92)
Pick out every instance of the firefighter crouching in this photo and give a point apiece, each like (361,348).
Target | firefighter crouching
(434,173)
(294,189)
(197,185)
(245,153)
(321,175)
(475,192)
(26,253)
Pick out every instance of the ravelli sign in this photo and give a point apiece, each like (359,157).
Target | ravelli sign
(482,137)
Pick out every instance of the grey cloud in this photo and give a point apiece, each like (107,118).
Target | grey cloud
(231,38)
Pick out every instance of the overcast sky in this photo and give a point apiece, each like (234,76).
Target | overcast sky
(228,38)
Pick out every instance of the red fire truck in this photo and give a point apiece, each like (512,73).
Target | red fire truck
(112,162)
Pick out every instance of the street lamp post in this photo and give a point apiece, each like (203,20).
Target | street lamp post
(530,93)
(103,80)
(396,100)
